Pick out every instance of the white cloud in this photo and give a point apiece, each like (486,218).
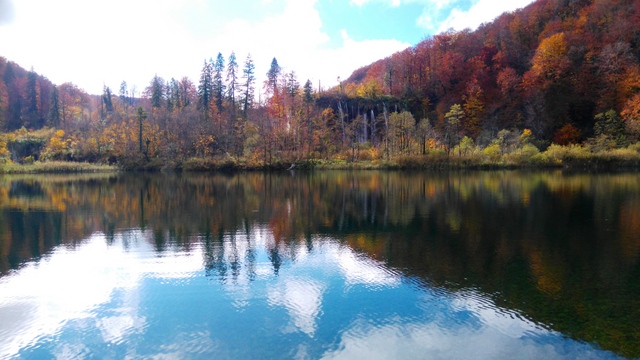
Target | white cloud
(91,43)
(358,2)
(6,12)
(296,39)
(425,21)
(481,12)
(396,3)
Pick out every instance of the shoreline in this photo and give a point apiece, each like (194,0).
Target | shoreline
(593,163)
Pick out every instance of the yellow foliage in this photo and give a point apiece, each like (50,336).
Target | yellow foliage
(550,59)
(350,90)
(493,151)
(369,89)
(4,153)
(57,148)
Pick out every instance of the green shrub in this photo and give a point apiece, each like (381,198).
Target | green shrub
(493,151)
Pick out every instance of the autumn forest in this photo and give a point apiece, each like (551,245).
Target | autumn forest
(550,84)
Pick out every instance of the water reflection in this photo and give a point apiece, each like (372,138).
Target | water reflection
(379,265)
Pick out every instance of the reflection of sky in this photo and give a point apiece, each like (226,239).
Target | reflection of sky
(96,300)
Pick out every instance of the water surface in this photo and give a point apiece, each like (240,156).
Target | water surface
(321,265)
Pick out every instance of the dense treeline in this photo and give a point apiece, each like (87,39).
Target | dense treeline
(558,71)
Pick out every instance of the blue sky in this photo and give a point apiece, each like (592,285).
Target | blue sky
(94,43)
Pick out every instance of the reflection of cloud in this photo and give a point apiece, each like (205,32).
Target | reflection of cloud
(488,313)
(362,270)
(428,340)
(44,303)
(105,286)
(303,300)
(187,345)
(114,329)
(70,351)
(69,284)
(453,328)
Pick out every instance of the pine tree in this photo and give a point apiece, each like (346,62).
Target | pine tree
(292,84)
(248,85)
(14,100)
(232,80)
(142,115)
(32,100)
(157,92)
(218,84)
(272,76)
(106,98)
(123,92)
(54,108)
(308,92)
(172,95)
(205,88)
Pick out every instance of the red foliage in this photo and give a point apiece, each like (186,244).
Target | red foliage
(566,135)
(551,49)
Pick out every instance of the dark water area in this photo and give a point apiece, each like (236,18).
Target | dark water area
(451,265)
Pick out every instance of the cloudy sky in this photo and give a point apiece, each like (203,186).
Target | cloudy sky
(92,43)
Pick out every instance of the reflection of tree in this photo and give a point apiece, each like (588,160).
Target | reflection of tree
(214,262)
(556,247)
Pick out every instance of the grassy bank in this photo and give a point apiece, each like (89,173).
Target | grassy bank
(577,157)
(57,167)
(555,156)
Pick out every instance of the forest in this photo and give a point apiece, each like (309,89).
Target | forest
(552,84)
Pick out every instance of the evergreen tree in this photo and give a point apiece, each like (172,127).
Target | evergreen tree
(106,98)
(292,84)
(123,93)
(142,115)
(232,80)
(610,125)
(248,85)
(173,94)
(32,100)
(218,84)
(14,99)
(54,108)
(272,76)
(205,88)
(157,92)
(308,92)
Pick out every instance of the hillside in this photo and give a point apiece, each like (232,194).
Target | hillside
(553,64)
(25,97)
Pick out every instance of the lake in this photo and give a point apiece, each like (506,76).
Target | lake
(347,265)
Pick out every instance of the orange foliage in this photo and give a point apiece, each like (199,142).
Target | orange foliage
(550,61)
(631,115)
(566,135)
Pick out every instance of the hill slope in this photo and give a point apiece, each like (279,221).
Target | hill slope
(552,64)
